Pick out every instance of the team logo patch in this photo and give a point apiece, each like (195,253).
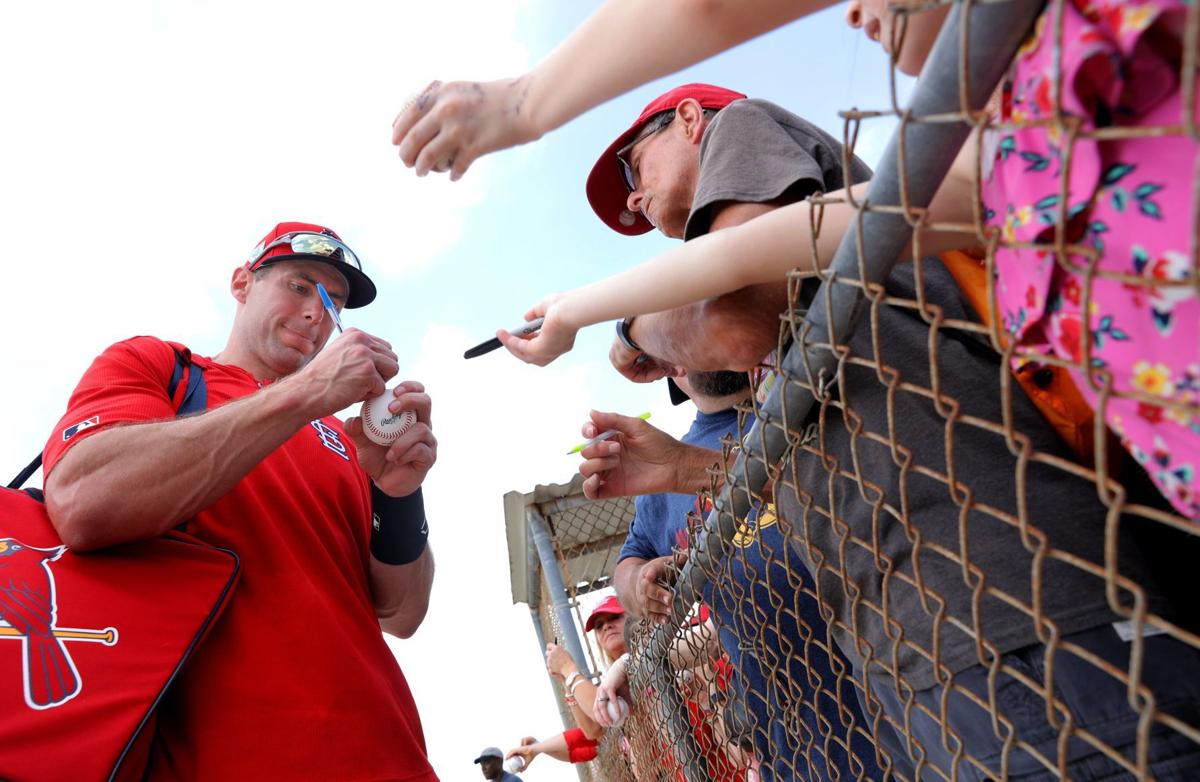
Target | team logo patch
(71,431)
(330,439)
(28,611)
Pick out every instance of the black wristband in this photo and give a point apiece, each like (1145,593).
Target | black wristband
(399,532)
(626,338)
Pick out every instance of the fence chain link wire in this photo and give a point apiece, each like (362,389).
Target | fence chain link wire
(925,605)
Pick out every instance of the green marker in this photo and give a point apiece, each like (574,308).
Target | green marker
(601,437)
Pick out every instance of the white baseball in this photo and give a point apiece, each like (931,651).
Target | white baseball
(382,426)
(618,710)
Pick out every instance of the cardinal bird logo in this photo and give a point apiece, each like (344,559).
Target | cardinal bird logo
(28,609)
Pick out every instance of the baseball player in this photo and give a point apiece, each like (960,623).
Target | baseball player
(295,680)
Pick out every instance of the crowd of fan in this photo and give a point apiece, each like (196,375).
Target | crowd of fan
(914,592)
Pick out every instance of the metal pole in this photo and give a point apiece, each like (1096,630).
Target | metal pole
(544,543)
(995,31)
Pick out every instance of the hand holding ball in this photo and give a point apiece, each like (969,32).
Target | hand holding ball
(618,710)
(382,426)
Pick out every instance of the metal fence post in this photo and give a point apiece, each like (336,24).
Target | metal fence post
(544,543)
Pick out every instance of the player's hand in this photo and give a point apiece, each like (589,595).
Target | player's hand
(556,337)
(558,661)
(643,460)
(638,367)
(399,469)
(527,751)
(651,587)
(354,367)
(447,126)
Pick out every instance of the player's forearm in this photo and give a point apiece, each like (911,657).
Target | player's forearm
(401,593)
(138,481)
(626,43)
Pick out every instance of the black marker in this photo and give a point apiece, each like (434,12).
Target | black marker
(531,327)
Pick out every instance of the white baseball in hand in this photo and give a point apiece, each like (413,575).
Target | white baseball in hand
(382,426)
(618,710)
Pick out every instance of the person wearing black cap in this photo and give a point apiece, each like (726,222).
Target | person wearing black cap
(491,763)
(329,527)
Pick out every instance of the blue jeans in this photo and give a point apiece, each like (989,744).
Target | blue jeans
(1097,702)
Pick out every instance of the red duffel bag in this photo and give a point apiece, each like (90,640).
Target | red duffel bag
(90,643)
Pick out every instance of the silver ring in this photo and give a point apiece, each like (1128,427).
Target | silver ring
(602,699)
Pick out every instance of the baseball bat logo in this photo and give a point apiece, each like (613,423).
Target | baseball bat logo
(28,613)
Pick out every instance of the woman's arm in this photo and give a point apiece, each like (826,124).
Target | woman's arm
(580,693)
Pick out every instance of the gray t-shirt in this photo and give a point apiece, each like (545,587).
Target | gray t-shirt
(754,151)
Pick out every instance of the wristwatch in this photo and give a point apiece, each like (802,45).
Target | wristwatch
(623,327)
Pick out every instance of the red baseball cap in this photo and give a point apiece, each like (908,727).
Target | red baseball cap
(610,606)
(309,246)
(606,188)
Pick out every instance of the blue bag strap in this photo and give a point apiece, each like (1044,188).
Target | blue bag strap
(195,399)
(24,474)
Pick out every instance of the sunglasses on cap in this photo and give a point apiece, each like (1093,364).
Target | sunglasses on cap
(652,126)
(308,243)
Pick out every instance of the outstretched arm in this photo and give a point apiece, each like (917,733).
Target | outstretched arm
(762,250)
(555,746)
(645,460)
(732,331)
(450,125)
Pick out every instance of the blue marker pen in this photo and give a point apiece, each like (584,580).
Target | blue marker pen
(328,302)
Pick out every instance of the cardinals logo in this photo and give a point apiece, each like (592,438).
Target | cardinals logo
(28,610)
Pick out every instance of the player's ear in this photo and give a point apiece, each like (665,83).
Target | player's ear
(240,283)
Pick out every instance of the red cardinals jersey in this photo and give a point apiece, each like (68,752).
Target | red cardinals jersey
(295,681)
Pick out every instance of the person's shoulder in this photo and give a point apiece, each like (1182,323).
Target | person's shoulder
(143,349)
(760,110)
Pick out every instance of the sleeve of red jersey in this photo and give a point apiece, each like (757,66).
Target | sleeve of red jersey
(127,383)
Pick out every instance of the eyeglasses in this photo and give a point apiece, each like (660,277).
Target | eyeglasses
(652,126)
(307,243)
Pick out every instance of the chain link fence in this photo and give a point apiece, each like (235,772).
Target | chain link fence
(929,554)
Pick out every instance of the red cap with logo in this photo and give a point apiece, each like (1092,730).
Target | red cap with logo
(609,606)
(606,188)
(311,242)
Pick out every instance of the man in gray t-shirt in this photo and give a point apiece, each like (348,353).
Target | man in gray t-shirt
(700,158)
(691,180)
(925,556)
